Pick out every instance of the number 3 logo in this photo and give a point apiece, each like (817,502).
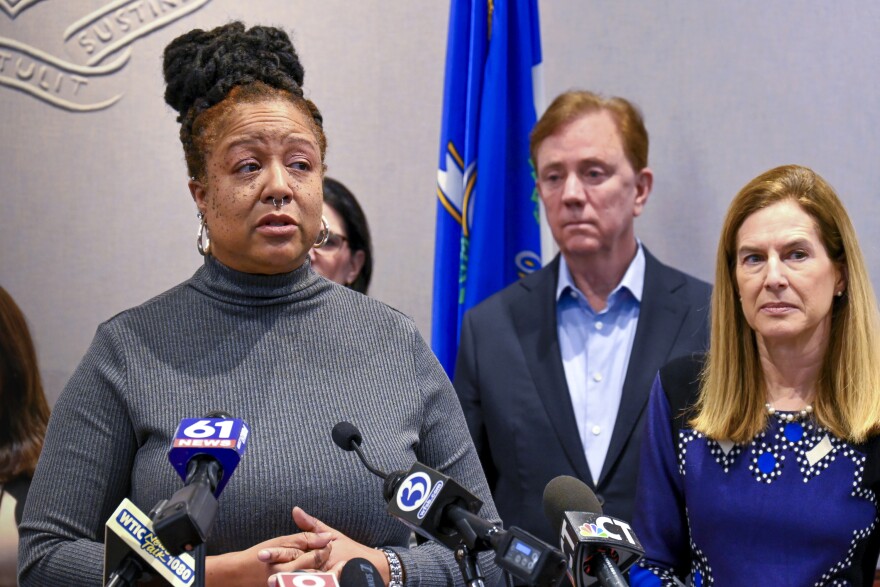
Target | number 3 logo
(413,491)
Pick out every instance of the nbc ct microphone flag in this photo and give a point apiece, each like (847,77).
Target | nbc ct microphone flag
(488,215)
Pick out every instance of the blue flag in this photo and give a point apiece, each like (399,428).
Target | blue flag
(488,219)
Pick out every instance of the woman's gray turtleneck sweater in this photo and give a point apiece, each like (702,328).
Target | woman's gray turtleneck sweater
(289,354)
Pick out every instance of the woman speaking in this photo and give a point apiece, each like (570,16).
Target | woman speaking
(255,332)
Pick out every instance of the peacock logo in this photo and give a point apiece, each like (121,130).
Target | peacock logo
(589,530)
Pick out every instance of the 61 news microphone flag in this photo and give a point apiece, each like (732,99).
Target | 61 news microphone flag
(488,214)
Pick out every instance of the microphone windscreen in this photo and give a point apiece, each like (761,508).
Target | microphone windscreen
(359,572)
(344,433)
(568,494)
(221,414)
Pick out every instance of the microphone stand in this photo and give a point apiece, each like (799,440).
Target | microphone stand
(184,522)
(467,551)
(470,566)
(127,573)
(199,555)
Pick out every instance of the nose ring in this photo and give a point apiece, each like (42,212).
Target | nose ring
(284,201)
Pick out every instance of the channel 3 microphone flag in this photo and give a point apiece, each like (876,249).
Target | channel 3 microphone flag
(488,215)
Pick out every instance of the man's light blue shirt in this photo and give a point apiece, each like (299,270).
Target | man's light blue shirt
(595,353)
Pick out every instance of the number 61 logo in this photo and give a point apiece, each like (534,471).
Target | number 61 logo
(204,429)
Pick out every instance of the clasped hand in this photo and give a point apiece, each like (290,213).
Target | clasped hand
(317,548)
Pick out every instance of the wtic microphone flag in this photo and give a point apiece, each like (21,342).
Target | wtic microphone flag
(129,531)
(488,214)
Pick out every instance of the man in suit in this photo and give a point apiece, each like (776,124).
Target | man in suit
(554,372)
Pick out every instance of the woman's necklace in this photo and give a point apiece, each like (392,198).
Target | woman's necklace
(790,416)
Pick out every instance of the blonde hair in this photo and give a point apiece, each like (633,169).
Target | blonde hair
(732,394)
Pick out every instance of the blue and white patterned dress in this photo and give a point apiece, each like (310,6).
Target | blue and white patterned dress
(795,506)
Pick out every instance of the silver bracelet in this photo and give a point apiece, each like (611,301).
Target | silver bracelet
(395,568)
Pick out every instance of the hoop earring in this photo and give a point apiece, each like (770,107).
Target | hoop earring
(323,235)
(203,238)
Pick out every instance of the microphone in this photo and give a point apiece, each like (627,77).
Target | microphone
(132,550)
(347,437)
(437,508)
(417,498)
(205,452)
(599,548)
(213,445)
(359,572)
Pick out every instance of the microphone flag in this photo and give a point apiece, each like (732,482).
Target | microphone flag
(307,580)
(420,499)
(130,531)
(223,439)
(488,231)
(584,534)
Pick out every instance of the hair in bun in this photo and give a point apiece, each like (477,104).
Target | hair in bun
(202,68)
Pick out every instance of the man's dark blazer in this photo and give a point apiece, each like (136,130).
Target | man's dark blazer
(511,383)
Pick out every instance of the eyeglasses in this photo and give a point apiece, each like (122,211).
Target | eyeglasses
(333,245)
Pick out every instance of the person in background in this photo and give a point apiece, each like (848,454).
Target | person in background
(554,371)
(347,256)
(257,333)
(23,417)
(761,461)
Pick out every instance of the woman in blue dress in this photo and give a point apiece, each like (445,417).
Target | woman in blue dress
(761,463)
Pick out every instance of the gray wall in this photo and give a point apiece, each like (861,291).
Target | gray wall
(95,215)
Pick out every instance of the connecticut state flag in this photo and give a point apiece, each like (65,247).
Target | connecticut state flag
(488,215)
